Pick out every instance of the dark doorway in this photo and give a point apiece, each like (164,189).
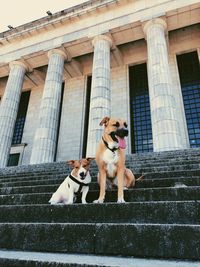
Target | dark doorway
(21,117)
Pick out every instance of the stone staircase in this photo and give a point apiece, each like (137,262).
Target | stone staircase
(160,220)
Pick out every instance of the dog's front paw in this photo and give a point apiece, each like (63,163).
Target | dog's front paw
(84,202)
(100,201)
(121,200)
(53,202)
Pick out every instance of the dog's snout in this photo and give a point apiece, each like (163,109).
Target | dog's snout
(82,174)
(122,132)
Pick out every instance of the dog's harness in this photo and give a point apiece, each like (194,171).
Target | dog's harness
(78,182)
(107,146)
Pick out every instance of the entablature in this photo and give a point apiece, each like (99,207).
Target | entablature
(125,28)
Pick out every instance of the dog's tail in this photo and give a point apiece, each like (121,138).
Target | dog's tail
(141,177)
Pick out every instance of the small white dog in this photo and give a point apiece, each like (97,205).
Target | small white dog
(77,182)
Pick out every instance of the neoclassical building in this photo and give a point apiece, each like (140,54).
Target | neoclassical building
(133,59)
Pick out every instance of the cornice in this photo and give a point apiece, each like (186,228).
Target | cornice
(60,16)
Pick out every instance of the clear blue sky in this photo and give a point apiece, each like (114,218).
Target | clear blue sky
(18,12)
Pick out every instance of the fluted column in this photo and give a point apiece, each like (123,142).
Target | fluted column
(9,108)
(44,145)
(100,101)
(198,52)
(165,125)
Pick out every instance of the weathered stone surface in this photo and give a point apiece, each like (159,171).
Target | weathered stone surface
(100,101)
(131,195)
(151,240)
(160,218)
(132,212)
(165,124)
(41,259)
(48,237)
(9,108)
(45,141)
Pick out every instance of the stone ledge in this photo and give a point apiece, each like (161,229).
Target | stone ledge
(30,259)
(131,157)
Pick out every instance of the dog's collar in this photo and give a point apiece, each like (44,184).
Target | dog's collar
(78,182)
(107,146)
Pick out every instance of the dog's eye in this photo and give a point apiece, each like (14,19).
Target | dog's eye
(116,124)
(84,166)
(125,125)
(76,167)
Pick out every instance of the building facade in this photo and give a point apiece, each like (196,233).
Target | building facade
(133,59)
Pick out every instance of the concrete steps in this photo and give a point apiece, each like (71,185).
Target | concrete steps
(159,220)
(146,159)
(151,181)
(133,212)
(155,166)
(50,185)
(180,240)
(42,259)
(131,195)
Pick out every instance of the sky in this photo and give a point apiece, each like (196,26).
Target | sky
(18,12)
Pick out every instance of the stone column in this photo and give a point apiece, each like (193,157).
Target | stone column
(9,108)
(180,111)
(198,52)
(165,125)
(44,145)
(100,101)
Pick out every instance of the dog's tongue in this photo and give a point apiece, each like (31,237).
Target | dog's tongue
(121,142)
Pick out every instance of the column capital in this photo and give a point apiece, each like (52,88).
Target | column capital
(57,52)
(19,63)
(102,37)
(154,22)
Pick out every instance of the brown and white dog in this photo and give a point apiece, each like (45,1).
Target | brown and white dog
(77,182)
(110,158)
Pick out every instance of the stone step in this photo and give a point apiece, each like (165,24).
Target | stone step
(51,185)
(162,164)
(37,188)
(167,154)
(170,174)
(165,168)
(131,195)
(12,258)
(40,181)
(137,168)
(147,182)
(172,159)
(148,175)
(181,212)
(160,157)
(171,177)
(180,241)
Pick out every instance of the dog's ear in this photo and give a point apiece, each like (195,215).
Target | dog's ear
(90,159)
(70,162)
(104,121)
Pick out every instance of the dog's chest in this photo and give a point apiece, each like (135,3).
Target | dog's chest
(111,159)
(75,187)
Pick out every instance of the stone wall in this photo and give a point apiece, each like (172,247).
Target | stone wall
(72,120)
(120,106)
(31,122)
